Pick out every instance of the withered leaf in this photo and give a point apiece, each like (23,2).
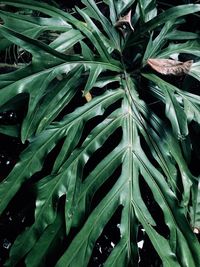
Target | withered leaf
(170,66)
(88,97)
(124,21)
(196,231)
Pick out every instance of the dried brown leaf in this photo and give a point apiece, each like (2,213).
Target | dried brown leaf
(170,66)
(124,21)
(88,97)
(196,231)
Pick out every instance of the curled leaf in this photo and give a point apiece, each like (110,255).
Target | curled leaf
(122,22)
(170,66)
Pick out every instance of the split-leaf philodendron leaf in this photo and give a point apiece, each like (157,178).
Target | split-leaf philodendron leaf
(126,122)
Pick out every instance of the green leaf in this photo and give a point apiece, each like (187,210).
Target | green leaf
(176,115)
(30,26)
(192,109)
(23,23)
(147,9)
(95,13)
(162,191)
(195,209)
(86,52)
(66,40)
(11,130)
(182,35)
(154,46)
(118,140)
(36,83)
(159,242)
(50,105)
(118,7)
(195,70)
(95,36)
(34,5)
(53,187)
(94,73)
(179,126)
(46,244)
(169,15)
(189,47)
(79,252)
(173,110)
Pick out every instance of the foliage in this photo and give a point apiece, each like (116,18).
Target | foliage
(154,149)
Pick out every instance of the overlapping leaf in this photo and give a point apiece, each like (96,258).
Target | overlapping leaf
(170,14)
(51,80)
(37,78)
(148,10)
(189,47)
(118,7)
(30,26)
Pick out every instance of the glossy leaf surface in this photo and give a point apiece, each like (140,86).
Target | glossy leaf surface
(90,100)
